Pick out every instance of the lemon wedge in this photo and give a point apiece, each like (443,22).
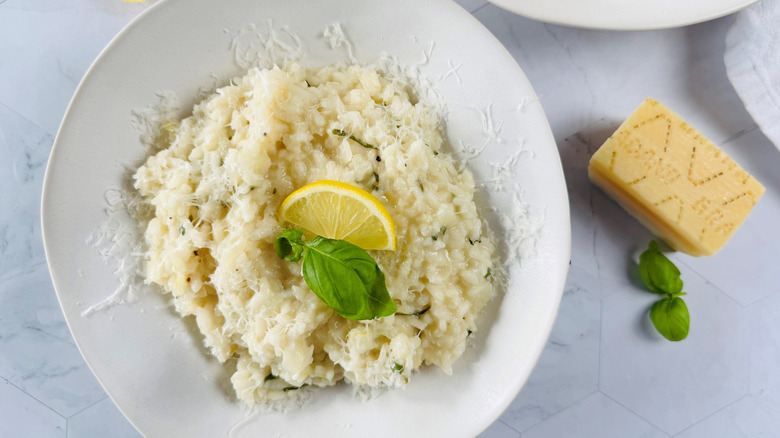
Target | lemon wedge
(337,210)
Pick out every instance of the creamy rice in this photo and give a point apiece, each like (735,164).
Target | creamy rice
(216,189)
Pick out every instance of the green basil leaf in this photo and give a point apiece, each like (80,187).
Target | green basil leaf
(658,273)
(670,317)
(347,279)
(289,245)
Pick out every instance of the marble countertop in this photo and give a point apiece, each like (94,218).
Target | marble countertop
(604,372)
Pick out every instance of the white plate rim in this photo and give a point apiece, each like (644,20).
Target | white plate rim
(628,16)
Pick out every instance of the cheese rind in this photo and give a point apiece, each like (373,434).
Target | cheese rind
(674,181)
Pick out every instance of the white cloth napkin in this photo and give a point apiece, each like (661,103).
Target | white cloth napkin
(753,64)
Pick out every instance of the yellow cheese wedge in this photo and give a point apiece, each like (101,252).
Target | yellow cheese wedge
(677,183)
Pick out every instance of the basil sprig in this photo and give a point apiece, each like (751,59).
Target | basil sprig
(341,274)
(670,317)
(669,314)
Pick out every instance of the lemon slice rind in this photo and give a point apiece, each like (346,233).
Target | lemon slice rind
(338,210)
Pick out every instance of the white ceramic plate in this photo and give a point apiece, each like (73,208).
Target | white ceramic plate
(152,364)
(623,14)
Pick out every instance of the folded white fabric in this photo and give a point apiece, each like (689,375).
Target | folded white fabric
(753,64)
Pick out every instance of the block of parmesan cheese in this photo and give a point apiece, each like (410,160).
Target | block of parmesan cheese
(677,183)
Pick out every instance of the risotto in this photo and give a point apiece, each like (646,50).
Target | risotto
(216,188)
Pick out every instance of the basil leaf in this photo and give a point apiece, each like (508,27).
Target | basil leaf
(347,279)
(658,273)
(670,317)
(289,245)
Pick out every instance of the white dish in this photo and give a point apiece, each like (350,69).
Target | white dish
(152,364)
(622,14)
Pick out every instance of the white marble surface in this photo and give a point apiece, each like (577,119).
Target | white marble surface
(604,373)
